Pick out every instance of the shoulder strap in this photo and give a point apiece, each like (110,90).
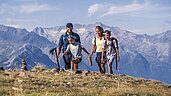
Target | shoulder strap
(116,41)
(116,54)
(63,36)
(95,40)
(105,42)
(94,44)
(112,43)
(74,35)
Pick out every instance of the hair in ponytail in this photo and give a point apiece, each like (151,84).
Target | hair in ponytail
(101,30)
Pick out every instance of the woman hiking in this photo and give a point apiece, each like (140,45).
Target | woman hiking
(97,46)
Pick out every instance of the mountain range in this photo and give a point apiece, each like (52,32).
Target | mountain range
(142,55)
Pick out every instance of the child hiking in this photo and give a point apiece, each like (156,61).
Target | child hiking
(75,49)
(110,48)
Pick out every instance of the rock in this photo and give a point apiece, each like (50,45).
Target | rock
(122,75)
(104,88)
(2,69)
(85,72)
(24,65)
(71,72)
(55,70)
(84,84)
(38,68)
(19,81)
(109,75)
(22,74)
(17,89)
(169,86)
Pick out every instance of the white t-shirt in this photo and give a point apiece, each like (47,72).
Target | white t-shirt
(75,49)
(98,44)
(110,50)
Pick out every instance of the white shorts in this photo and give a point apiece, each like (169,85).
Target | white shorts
(110,58)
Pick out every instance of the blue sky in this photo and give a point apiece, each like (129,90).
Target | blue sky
(138,16)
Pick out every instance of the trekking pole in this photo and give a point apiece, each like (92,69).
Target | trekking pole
(117,73)
(57,61)
(51,52)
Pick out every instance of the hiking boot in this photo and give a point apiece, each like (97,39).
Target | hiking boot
(55,70)
(78,72)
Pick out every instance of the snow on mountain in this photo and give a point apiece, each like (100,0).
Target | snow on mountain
(17,44)
(9,34)
(144,55)
(32,54)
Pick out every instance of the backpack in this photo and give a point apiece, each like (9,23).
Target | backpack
(112,43)
(95,42)
(112,38)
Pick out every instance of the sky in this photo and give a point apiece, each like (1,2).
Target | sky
(138,16)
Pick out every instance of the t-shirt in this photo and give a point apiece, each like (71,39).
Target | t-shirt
(110,49)
(98,44)
(75,49)
(63,41)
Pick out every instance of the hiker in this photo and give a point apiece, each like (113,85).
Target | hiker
(75,49)
(63,43)
(97,46)
(110,44)
(24,65)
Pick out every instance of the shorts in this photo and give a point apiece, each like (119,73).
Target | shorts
(98,57)
(67,59)
(80,59)
(110,58)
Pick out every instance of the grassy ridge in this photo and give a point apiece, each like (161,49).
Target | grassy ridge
(48,83)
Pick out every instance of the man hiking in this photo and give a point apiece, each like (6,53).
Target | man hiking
(110,48)
(63,43)
(76,50)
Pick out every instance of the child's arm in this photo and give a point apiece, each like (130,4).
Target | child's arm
(89,58)
(67,50)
